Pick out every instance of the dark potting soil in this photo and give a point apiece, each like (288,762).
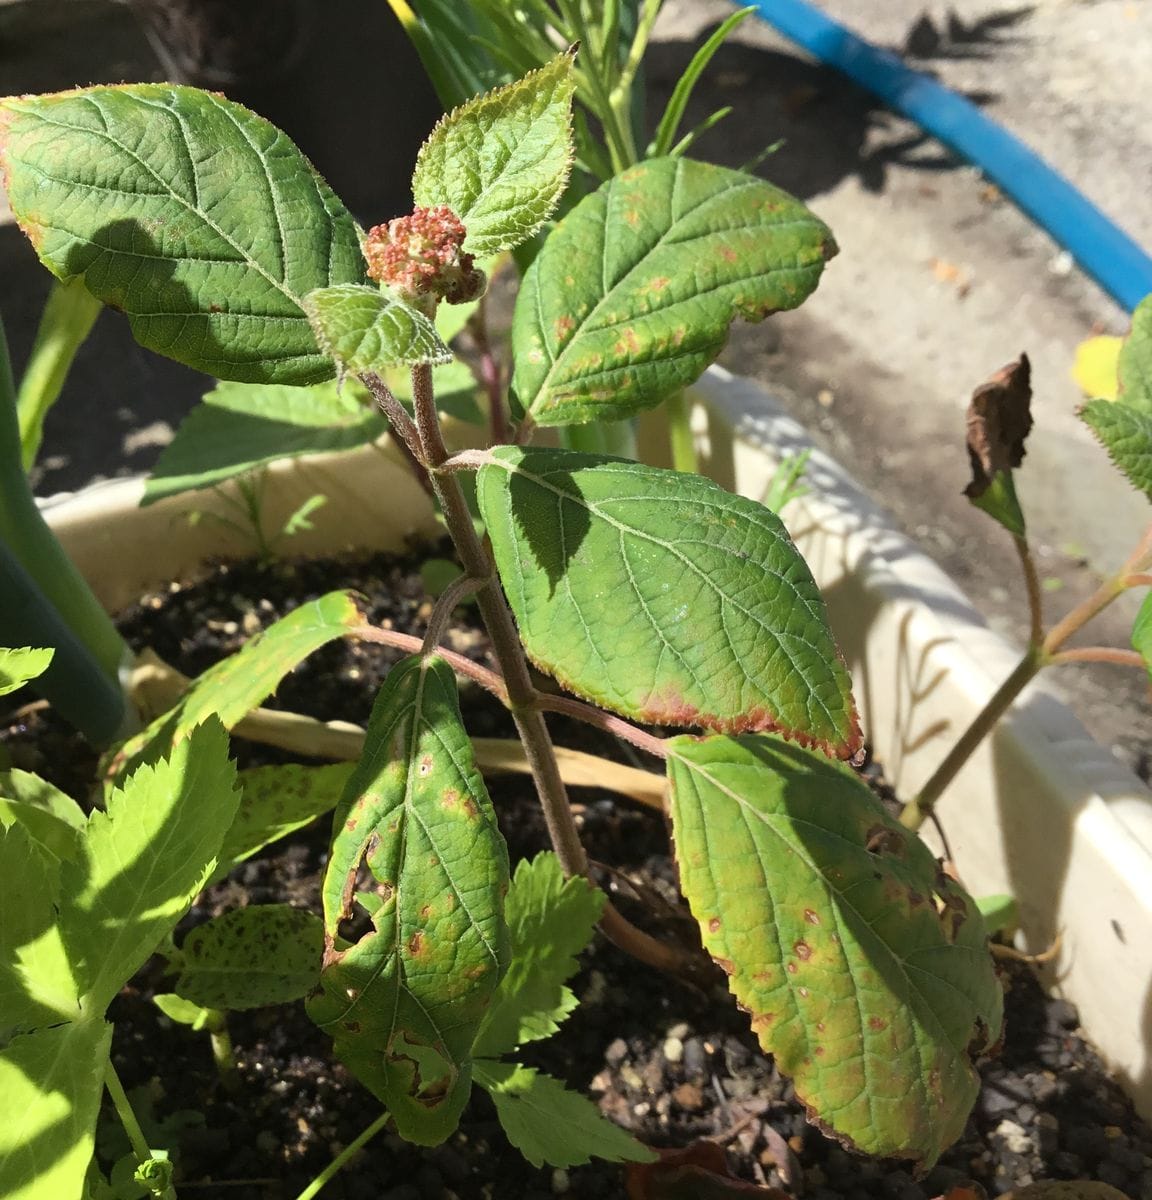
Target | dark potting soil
(668,1061)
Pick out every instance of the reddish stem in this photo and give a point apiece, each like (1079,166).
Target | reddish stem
(1100,654)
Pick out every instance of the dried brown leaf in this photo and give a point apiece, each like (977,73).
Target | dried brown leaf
(698,1172)
(999,420)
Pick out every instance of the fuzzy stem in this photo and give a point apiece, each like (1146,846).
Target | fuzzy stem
(616,726)
(490,378)
(343,1159)
(530,724)
(1099,654)
(1032,587)
(459,589)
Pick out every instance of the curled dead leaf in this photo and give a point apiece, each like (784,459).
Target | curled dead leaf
(999,420)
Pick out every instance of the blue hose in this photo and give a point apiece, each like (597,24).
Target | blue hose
(1100,247)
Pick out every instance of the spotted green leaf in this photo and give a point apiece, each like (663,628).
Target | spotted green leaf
(277,801)
(252,957)
(144,859)
(501,161)
(240,683)
(633,293)
(51,1082)
(864,967)
(1124,425)
(404,1002)
(194,216)
(18,666)
(664,597)
(366,329)
(550,920)
(549,1124)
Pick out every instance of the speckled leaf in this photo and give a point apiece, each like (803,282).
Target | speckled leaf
(51,1082)
(864,967)
(235,686)
(550,920)
(279,800)
(633,293)
(18,666)
(144,859)
(194,216)
(365,329)
(501,161)
(403,1004)
(1124,425)
(549,1124)
(252,957)
(664,597)
(239,427)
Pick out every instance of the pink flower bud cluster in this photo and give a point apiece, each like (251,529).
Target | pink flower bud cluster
(420,257)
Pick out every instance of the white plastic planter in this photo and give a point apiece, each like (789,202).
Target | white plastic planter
(1040,811)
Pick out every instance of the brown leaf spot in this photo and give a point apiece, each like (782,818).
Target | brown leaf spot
(728,254)
(880,839)
(792,968)
(877,1024)
(726,965)
(562,328)
(813,918)
(425,767)
(803,950)
(802,992)
(416,943)
(659,283)
(425,912)
(819,1051)
(999,420)
(714,925)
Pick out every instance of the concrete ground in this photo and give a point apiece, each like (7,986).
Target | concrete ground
(939,281)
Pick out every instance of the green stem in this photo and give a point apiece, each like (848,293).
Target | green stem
(223,1052)
(34,545)
(917,810)
(343,1159)
(680,439)
(68,318)
(124,1111)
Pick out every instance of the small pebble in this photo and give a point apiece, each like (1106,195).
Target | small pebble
(616,1053)
(673,1049)
(681,1030)
(560,1182)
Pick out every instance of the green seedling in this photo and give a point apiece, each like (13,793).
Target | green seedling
(652,597)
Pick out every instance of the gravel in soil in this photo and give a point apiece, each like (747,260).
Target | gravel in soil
(669,1062)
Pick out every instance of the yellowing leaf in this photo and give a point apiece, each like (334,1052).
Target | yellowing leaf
(1096,367)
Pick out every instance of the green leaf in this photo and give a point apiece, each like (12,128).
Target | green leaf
(194,216)
(51,1082)
(1142,632)
(550,920)
(234,687)
(633,293)
(1000,502)
(1126,433)
(182,1011)
(144,860)
(365,329)
(549,1124)
(664,597)
(53,820)
(404,1002)
(37,986)
(18,666)
(252,957)
(277,801)
(501,161)
(239,427)
(1001,913)
(1124,425)
(864,967)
